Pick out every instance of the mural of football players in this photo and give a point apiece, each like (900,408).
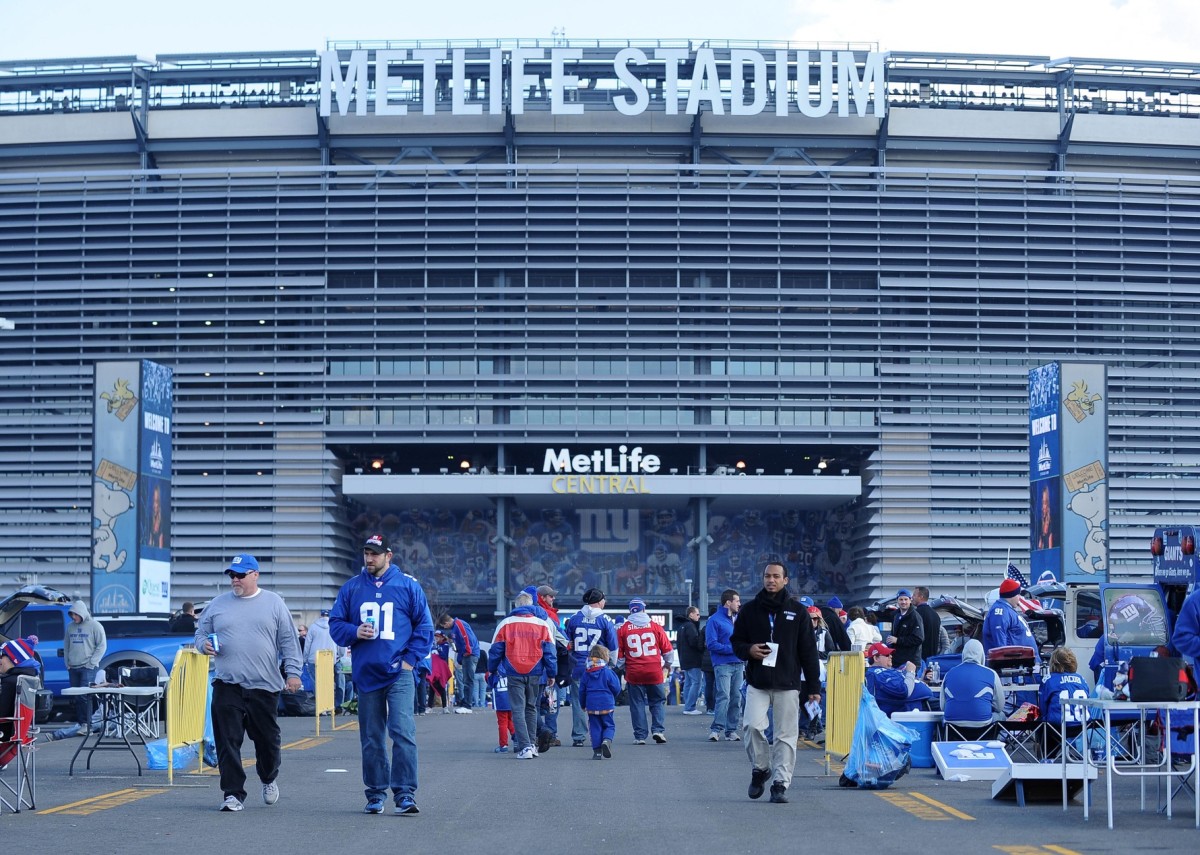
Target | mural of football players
(554,533)
(412,555)
(631,578)
(664,570)
(664,527)
(751,529)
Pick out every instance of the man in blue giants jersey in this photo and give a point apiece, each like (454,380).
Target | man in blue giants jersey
(586,628)
(383,617)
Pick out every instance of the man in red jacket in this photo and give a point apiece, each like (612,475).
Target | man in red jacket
(642,649)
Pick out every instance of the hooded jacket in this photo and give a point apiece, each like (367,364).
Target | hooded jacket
(523,644)
(642,648)
(717,634)
(86,642)
(778,617)
(586,628)
(972,694)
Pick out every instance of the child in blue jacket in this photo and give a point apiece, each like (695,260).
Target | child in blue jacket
(598,691)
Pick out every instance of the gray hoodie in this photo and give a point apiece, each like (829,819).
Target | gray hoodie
(85,642)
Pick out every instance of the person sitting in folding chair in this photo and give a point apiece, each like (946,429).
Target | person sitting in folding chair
(972,696)
(16,660)
(1058,690)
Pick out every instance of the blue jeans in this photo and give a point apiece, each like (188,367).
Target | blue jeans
(727,715)
(692,684)
(639,697)
(382,713)
(480,698)
(81,677)
(464,688)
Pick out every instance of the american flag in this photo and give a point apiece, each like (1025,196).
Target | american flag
(1024,603)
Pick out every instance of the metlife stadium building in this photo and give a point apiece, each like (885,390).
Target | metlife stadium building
(636,315)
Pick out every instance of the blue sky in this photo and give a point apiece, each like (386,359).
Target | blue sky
(1113,29)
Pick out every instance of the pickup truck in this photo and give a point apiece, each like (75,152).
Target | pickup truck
(134,640)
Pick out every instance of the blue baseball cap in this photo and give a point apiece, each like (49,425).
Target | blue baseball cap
(904,592)
(807,601)
(244,563)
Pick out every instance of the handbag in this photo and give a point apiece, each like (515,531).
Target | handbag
(1158,678)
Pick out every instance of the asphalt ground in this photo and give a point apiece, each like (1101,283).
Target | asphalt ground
(689,794)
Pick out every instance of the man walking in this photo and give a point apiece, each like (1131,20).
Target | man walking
(254,634)
(643,647)
(466,649)
(727,669)
(585,629)
(691,651)
(382,616)
(85,645)
(774,635)
(523,652)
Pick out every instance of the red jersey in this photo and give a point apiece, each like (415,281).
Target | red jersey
(644,649)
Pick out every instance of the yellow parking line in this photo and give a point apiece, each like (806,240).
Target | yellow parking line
(913,807)
(309,742)
(1030,849)
(1061,850)
(104,802)
(941,806)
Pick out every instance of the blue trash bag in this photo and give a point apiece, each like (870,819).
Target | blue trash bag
(879,753)
(210,742)
(182,757)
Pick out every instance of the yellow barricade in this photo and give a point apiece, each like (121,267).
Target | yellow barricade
(845,675)
(323,681)
(187,700)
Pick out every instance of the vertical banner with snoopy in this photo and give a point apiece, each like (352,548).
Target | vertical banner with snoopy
(130,476)
(1068,482)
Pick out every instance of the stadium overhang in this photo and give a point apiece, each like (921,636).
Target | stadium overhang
(737,491)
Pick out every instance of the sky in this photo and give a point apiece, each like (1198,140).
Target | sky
(1109,29)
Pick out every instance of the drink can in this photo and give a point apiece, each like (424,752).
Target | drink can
(216,645)
(371,623)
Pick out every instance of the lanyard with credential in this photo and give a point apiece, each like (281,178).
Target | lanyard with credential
(771,618)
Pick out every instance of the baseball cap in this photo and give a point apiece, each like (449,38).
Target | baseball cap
(244,563)
(324,612)
(813,611)
(904,592)
(637,605)
(376,543)
(593,596)
(18,650)
(1009,587)
(879,649)
(546,591)
(807,601)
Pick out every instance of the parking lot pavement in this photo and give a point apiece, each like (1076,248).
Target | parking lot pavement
(472,799)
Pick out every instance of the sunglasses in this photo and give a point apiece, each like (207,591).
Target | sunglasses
(233,574)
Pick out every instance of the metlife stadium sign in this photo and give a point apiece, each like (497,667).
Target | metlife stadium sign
(687,81)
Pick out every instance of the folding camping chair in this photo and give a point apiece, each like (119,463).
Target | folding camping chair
(141,711)
(18,778)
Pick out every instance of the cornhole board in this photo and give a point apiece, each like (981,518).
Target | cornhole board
(982,760)
(1041,782)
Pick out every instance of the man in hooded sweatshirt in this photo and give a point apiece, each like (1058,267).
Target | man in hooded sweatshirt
(85,646)
(585,629)
(972,694)
(643,647)
(774,636)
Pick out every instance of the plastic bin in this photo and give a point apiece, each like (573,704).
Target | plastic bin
(925,724)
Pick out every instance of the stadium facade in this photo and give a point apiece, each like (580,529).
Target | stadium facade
(464,292)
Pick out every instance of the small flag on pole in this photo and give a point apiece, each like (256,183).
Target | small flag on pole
(1024,603)
(1017,576)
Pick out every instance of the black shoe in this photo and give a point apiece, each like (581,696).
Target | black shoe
(778,794)
(596,755)
(606,749)
(758,780)
(544,741)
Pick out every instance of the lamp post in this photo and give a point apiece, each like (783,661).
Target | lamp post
(688,582)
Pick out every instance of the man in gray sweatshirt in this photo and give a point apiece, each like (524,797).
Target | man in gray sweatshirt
(85,645)
(254,634)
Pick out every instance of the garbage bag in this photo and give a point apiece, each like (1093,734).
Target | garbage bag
(879,752)
(182,757)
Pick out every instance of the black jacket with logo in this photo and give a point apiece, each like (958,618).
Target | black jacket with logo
(691,645)
(792,632)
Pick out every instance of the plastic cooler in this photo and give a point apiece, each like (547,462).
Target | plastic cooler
(925,724)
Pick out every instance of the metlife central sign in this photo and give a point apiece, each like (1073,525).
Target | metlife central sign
(691,81)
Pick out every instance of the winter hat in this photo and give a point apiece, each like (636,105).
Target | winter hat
(18,650)
(1010,588)
(531,591)
(835,603)
(593,596)
(637,605)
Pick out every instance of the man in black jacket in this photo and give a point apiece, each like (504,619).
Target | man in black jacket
(691,651)
(908,633)
(931,625)
(774,635)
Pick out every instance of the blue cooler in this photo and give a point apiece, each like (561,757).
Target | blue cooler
(925,725)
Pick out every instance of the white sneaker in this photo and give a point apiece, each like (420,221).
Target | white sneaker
(692,712)
(526,753)
(232,803)
(270,793)
(463,710)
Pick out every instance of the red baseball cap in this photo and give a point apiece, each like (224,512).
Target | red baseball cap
(879,649)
